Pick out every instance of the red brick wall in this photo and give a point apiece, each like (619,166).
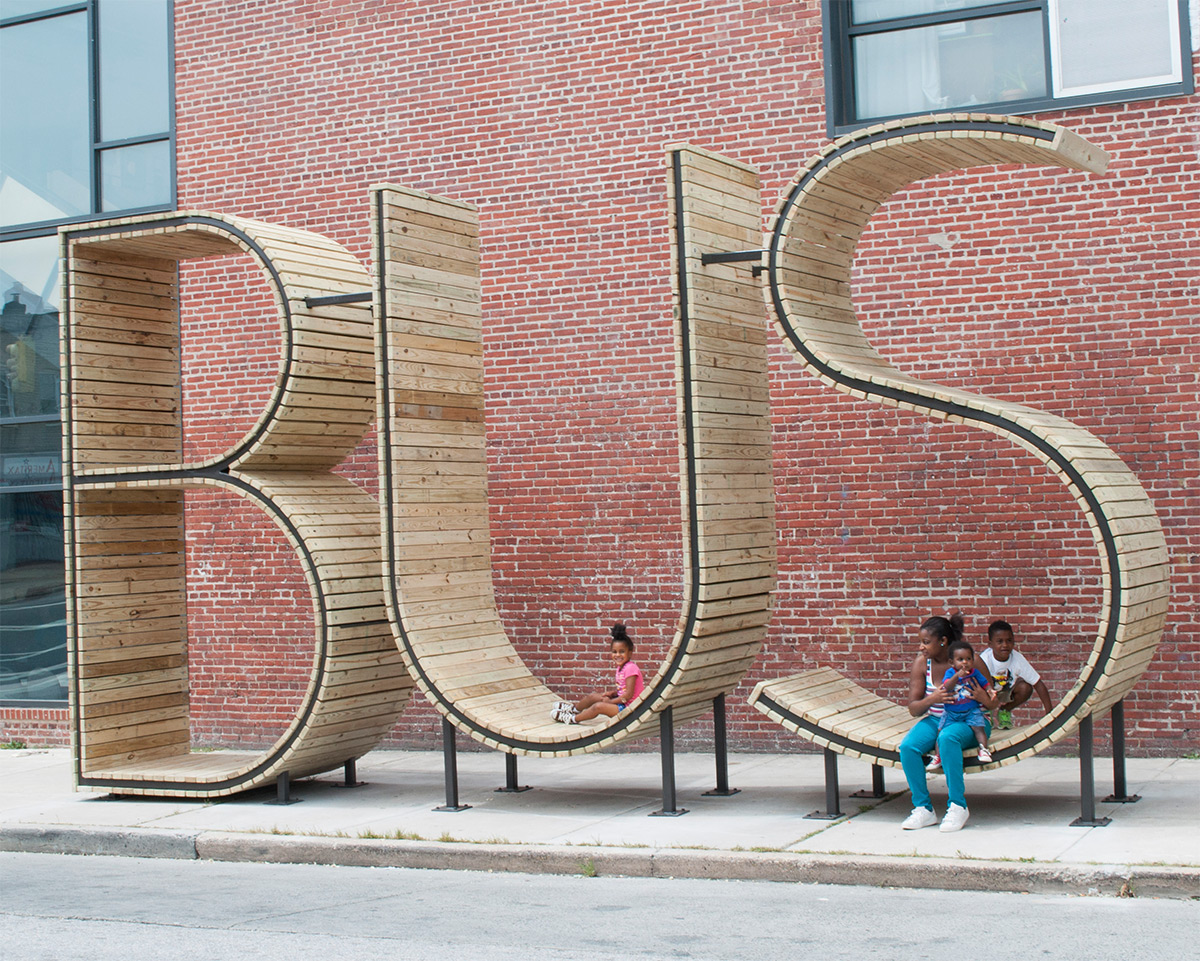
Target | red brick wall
(1070,292)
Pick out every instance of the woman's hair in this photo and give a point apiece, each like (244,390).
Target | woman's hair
(960,646)
(949,629)
(618,634)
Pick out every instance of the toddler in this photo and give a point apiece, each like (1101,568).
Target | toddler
(969,693)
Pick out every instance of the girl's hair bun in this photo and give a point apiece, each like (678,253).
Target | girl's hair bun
(618,632)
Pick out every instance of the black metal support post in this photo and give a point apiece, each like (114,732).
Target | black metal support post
(350,776)
(283,790)
(1087,779)
(510,777)
(721,750)
(832,810)
(1119,794)
(666,728)
(877,788)
(450,757)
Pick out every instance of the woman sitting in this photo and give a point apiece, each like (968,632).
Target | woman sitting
(925,700)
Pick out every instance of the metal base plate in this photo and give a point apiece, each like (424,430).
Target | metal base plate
(291,800)
(870,794)
(823,816)
(452,809)
(668,814)
(513,790)
(1126,799)
(354,784)
(728,792)
(1095,823)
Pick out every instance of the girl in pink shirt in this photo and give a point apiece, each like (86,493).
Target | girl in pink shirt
(629,684)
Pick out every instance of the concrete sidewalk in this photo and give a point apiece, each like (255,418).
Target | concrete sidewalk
(589,815)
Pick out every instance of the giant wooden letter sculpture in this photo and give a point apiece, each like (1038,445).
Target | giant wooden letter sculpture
(437,564)
(124,484)
(818,223)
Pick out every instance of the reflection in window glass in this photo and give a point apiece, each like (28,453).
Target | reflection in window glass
(133,69)
(138,176)
(15,8)
(868,11)
(33,630)
(1110,44)
(950,65)
(29,345)
(45,132)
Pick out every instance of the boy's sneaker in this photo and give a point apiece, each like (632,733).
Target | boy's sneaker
(956,817)
(985,755)
(934,765)
(1004,719)
(920,818)
(564,706)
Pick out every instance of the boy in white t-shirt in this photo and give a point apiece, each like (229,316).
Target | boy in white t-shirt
(1013,678)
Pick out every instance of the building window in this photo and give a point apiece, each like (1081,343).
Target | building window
(897,58)
(86,130)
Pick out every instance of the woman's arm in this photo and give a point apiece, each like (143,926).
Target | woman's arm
(984,694)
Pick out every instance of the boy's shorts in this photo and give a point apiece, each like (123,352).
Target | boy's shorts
(972,718)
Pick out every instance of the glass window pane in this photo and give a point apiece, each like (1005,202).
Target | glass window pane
(868,11)
(33,625)
(45,130)
(1115,44)
(29,345)
(138,176)
(133,69)
(949,65)
(16,8)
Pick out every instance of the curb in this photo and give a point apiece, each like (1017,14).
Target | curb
(1115,880)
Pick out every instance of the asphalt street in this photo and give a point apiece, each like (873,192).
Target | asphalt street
(99,908)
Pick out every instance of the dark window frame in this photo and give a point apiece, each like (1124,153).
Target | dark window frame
(44,228)
(838,33)
(41,228)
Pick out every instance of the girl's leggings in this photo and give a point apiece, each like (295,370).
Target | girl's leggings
(953,739)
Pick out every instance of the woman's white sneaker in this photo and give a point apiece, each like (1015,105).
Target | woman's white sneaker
(956,817)
(920,818)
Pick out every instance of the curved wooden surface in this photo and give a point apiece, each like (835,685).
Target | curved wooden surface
(819,221)
(124,481)
(437,564)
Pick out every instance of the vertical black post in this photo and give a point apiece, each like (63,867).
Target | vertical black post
(510,777)
(1087,779)
(877,787)
(832,810)
(1119,795)
(283,790)
(450,758)
(666,729)
(721,750)
(350,778)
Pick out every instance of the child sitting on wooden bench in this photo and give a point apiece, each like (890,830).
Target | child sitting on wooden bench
(1013,677)
(629,684)
(970,692)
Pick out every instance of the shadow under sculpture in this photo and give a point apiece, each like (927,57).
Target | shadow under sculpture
(818,223)
(433,500)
